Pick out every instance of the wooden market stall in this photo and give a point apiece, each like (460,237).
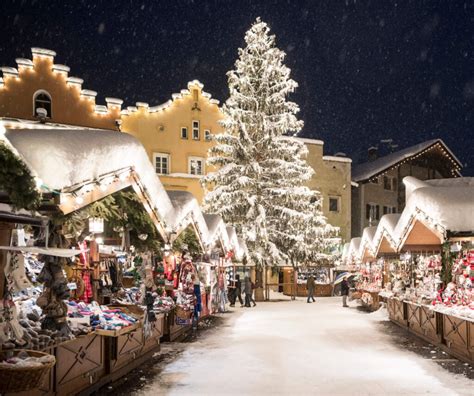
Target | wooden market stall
(428,260)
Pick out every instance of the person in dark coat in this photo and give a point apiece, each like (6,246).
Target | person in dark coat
(237,291)
(247,291)
(310,285)
(344,291)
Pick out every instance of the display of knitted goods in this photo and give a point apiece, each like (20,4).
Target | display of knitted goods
(54,292)
(99,316)
(33,266)
(24,360)
(28,320)
(163,304)
(15,274)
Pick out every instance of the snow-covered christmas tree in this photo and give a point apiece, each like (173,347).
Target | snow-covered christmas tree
(259,182)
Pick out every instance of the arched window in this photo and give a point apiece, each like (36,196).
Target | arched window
(42,100)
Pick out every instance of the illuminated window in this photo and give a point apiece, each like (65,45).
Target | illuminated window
(372,212)
(196,130)
(42,100)
(162,163)
(184,133)
(196,166)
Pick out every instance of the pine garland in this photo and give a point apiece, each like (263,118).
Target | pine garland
(17,181)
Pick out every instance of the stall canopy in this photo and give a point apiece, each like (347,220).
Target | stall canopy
(217,232)
(435,210)
(83,166)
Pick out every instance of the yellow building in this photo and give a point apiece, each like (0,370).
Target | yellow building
(177,135)
(41,90)
(332,178)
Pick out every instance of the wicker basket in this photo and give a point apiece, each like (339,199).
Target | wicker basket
(182,314)
(18,379)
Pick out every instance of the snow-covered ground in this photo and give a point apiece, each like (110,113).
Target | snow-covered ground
(295,348)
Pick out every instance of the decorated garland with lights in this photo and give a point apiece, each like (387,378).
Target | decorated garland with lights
(17,181)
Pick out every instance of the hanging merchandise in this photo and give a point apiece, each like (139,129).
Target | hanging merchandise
(15,274)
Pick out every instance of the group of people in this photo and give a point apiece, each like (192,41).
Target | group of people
(311,284)
(236,292)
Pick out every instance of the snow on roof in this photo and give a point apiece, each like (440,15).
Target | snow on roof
(309,140)
(186,212)
(242,251)
(63,158)
(385,229)
(443,206)
(369,169)
(217,231)
(366,242)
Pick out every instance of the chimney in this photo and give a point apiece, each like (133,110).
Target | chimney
(372,153)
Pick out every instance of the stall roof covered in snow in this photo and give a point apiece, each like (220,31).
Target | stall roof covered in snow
(442,206)
(370,169)
(63,158)
(186,212)
(217,231)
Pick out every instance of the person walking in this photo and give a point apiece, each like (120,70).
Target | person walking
(310,284)
(344,291)
(247,291)
(222,292)
(252,285)
(237,291)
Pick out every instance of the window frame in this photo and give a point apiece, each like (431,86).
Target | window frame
(35,96)
(207,135)
(193,129)
(392,181)
(181,133)
(338,203)
(203,165)
(162,155)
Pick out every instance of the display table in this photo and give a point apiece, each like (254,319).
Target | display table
(453,334)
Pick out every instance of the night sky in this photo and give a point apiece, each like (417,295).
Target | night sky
(367,70)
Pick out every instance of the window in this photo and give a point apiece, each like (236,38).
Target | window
(196,166)
(334,204)
(196,130)
(184,133)
(162,163)
(389,209)
(207,135)
(389,183)
(42,100)
(195,95)
(372,212)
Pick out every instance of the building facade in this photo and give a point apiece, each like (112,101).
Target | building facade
(377,184)
(177,136)
(40,90)
(332,178)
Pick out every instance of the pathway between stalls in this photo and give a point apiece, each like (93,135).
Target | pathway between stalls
(297,348)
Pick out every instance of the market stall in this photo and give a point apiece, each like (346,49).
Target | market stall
(427,256)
